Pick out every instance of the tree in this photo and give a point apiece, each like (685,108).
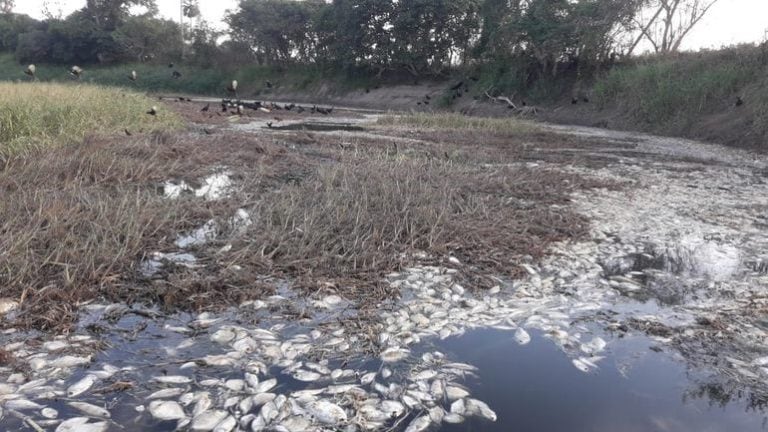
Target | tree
(671,21)
(278,31)
(143,35)
(109,14)
(6,6)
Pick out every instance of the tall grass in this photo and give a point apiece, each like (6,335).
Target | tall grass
(39,114)
(458,121)
(668,94)
(195,80)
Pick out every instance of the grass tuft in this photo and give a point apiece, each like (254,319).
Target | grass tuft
(35,115)
(460,122)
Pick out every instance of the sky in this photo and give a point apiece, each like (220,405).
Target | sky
(727,23)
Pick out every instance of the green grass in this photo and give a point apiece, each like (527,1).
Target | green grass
(458,121)
(36,114)
(668,94)
(194,80)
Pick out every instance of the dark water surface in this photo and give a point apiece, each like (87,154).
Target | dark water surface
(536,388)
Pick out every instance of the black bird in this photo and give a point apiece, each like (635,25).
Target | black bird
(585,99)
(170,65)
(269,125)
(525,103)
(418,103)
(182,99)
(739,101)
(457,86)
(223,107)
(475,79)
(574,100)
(132,76)
(127,132)
(268,84)
(428,97)
(30,70)
(367,90)
(205,108)
(176,74)
(152,111)
(300,109)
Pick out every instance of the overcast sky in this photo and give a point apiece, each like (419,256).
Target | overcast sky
(728,22)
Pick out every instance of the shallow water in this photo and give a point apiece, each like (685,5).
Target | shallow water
(536,388)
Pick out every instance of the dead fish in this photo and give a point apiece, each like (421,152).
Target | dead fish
(166,410)
(306,376)
(419,424)
(173,379)
(327,413)
(89,409)
(372,414)
(452,418)
(166,393)
(480,409)
(367,378)
(393,408)
(70,361)
(223,336)
(81,386)
(522,337)
(392,355)
(455,393)
(595,346)
(208,420)
(342,388)
(49,413)
(265,386)
(262,398)
(22,405)
(226,425)
(424,375)
(202,404)
(80,424)
(458,407)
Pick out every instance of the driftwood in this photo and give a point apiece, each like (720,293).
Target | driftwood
(504,99)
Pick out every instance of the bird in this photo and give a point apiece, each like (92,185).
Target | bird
(76,71)
(132,76)
(585,99)
(268,84)
(170,65)
(205,108)
(739,101)
(457,86)
(176,74)
(127,132)
(427,97)
(574,100)
(30,70)
(269,125)
(240,110)
(232,88)
(223,107)
(152,111)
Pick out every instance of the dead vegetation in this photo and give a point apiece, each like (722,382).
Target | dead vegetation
(328,211)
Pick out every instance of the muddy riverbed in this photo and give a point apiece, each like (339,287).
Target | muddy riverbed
(656,321)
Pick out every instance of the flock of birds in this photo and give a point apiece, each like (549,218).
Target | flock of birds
(227,105)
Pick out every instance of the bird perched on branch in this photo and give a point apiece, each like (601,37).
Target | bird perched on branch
(152,111)
(30,70)
(132,76)
(76,71)
(232,88)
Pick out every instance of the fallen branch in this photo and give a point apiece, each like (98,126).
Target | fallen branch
(505,99)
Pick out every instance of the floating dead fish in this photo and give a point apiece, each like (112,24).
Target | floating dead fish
(424,375)
(173,379)
(367,378)
(208,420)
(70,361)
(166,410)
(223,336)
(226,425)
(89,409)
(80,424)
(595,346)
(419,424)
(327,413)
(306,376)
(453,418)
(394,409)
(22,405)
(166,393)
(455,393)
(394,354)
(479,408)
(265,386)
(49,413)
(81,386)
(522,337)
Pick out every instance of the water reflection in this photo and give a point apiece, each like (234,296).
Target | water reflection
(536,388)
